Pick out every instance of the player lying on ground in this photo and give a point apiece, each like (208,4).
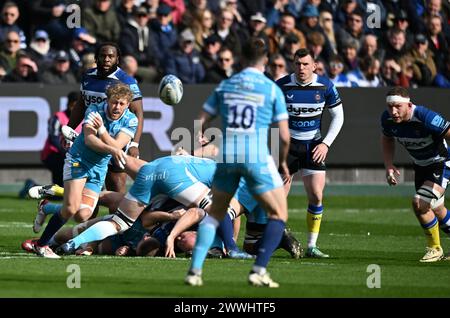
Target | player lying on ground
(245,204)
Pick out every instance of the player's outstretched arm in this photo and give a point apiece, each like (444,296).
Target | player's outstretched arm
(191,217)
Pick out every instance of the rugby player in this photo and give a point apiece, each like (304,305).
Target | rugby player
(424,134)
(307,95)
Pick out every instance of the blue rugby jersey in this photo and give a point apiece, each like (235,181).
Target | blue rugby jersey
(127,123)
(93,88)
(248,104)
(305,105)
(422,136)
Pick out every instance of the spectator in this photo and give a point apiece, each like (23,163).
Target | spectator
(8,22)
(9,51)
(53,154)
(101,21)
(316,42)
(185,62)
(321,68)
(257,26)
(309,19)
(25,71)
(130,66)
(136,40)
(370,47)
(277,67)
(367,74)
(278,34)
(178,8)
(124,11)
(327,24)
(163,33)
(346,8)
(392,74)
(229,36)
(443,79)
(350,54)
(82,43)
(209,54)
(49,15)
(401,23)
(354,28)
(421,57)
(238,21)
(278,9)
(436,41)
(396,46)
(60,73)
(337,74)
(291,45)
(223,68)
(39,50)
(202,27)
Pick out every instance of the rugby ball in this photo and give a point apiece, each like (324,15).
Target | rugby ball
(170,89)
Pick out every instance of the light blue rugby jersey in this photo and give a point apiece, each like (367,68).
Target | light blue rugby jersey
(305,105)
(127,123)
(93,88)
(422,136)
(201,168)
(248,104)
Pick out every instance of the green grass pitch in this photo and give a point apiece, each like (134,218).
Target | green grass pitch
(356,231)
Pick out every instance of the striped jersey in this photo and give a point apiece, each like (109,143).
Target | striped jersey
(305,104)
(248,104)
(422,136)
(93,87)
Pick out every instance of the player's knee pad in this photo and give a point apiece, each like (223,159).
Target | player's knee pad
(429,195)
(88,202)
(207,199)
(122,220)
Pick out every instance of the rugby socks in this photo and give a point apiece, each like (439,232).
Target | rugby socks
(444,224)
(51,208)
(96,232)
(313,220)
(431,230)
(269,243)
(205,237)
(225,231)
(56,222)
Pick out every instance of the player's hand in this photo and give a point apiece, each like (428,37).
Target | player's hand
(392,173)
(320,153)
(120,157)
(177,214)
(65,144)
(170,249)
(202,139)
(284,171)
(95,120)
(133,152)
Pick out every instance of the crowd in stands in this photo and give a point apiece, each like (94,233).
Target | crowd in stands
(356,43)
